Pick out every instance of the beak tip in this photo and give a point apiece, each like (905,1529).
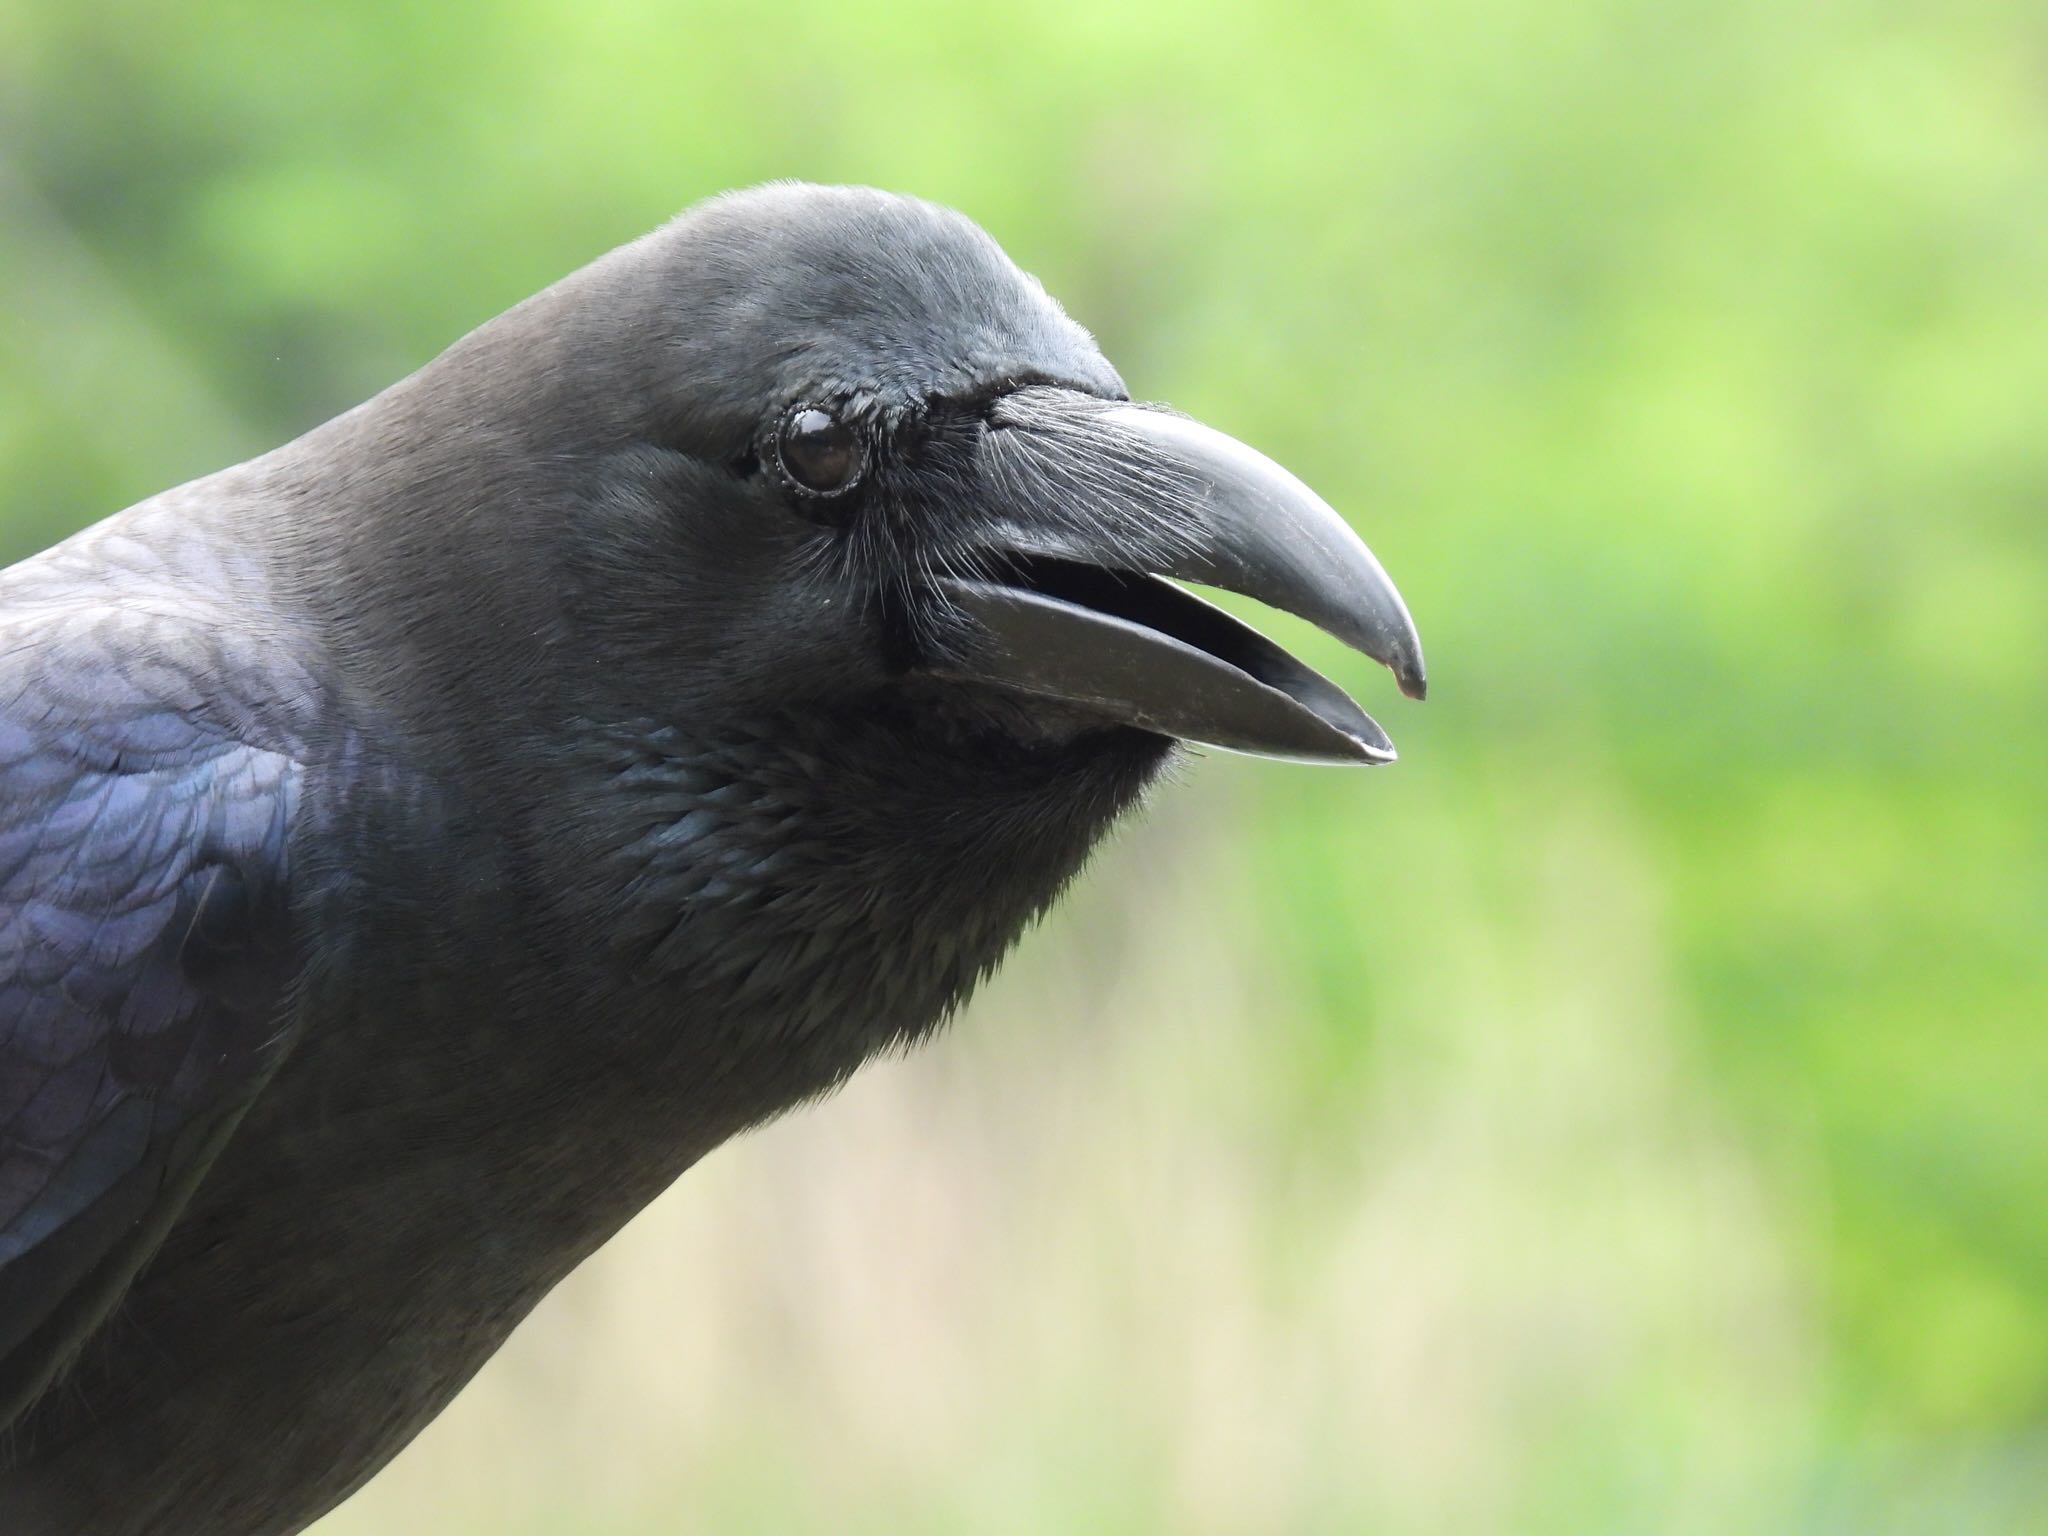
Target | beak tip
(1404,659)
(1370,747)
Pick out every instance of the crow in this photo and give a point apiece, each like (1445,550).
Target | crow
(422,842)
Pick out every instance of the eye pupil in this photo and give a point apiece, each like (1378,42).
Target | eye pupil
(818,451)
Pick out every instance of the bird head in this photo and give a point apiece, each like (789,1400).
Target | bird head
(829,446)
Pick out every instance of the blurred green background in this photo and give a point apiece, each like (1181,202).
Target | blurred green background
(1627,1114)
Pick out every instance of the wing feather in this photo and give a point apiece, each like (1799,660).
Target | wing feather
(144,951)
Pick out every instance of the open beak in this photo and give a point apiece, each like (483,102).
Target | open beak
(1095,503)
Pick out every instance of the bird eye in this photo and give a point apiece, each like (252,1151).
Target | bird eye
(819,453)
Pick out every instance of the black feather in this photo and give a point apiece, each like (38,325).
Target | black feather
(421,843)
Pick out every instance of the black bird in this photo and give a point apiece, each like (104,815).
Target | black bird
(422,842)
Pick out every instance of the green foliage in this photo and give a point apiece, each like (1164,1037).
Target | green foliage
(1678,1006)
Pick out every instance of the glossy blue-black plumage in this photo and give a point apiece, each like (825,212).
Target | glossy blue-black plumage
(424,841)
(144,812)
